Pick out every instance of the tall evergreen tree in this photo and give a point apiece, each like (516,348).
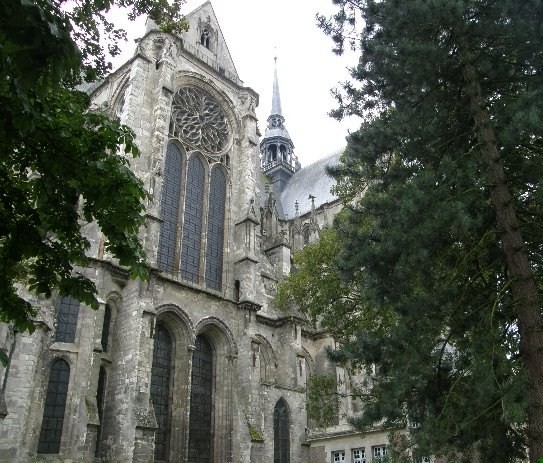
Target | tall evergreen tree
(447,239)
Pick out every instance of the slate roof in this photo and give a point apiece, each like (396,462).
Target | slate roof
(313,180)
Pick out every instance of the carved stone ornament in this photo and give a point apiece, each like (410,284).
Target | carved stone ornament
(199,121)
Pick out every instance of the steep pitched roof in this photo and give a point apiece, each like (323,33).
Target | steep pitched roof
(310,180)
(206,14)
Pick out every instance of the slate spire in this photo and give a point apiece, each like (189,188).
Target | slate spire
(276,98)
(277,158)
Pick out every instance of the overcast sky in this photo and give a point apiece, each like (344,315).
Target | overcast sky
(255,32)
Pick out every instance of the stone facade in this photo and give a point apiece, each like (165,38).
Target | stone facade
(182,97)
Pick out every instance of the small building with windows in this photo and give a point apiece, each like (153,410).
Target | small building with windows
(195,365)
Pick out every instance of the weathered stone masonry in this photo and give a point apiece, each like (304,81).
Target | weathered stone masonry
(127,398)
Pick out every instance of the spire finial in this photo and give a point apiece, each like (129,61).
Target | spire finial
(276,99)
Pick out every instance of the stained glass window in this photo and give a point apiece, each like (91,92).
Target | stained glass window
(306,235)
(169,209)
(215,229)
(192,223)
(281,433)
(199,121)
(55,404)
(201,401)
(68,312)
(160,389)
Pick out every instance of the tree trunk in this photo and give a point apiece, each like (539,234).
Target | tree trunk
(524,290)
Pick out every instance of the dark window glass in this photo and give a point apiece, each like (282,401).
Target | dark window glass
(204,38)
(55,404)
(68,312)
(105,328)
(215,229)
(200,441)
(281,433)
(169,209)
(160,389)
(100,402)
(306,235)
(192,221)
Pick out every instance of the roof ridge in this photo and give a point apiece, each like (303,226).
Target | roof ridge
(335,153)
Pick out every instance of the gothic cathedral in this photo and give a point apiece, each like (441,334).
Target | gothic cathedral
(195,365)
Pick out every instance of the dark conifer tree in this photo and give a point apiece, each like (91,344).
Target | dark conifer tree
(447,239)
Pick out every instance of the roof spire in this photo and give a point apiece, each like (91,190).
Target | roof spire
(277,158)
(276,99)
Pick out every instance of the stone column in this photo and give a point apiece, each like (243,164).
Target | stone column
(23,376)
(144,440)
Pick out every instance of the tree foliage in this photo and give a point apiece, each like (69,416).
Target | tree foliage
(322,400)
(62,166)
(447,238)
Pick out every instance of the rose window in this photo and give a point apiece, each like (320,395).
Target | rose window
(198,120)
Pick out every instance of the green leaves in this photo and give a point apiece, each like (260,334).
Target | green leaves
(61,165)
(322,400)
(55,171)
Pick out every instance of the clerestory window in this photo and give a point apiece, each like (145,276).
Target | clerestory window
(106,326)
(191,242)
(68,312)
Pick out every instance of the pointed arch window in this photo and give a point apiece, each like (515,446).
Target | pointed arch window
(160,389)
(201,403)
(67,315)
(194,188)
(106,326)
(306,234)
(215,229)
(171,192)
(205,37)
(281,433)
(181,249)
(192,221)
(55,405)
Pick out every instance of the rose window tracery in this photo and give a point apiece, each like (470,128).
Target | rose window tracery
(199,121)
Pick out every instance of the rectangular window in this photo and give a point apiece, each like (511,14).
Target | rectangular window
(67,314)
(379,453)
(338,456)
(359,455)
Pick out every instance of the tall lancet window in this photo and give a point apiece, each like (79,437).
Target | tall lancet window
(201,403)
(194,189)
(160,389)
(215,229)
(171,191)
(55,405)
(281,433)
(192,223)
